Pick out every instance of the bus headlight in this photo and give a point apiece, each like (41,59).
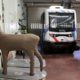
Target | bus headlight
(51,35)
(70,35)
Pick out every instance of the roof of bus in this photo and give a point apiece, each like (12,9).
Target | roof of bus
(60,9)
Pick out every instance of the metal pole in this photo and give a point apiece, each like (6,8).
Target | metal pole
(3,15)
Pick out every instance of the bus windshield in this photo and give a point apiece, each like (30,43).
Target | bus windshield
(61,22)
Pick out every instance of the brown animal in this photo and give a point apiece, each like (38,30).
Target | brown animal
(26,42)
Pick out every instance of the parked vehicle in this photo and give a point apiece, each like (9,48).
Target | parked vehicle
(59,27)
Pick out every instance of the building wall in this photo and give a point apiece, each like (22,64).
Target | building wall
(13,11)
(34,14)
(78,22)
(1,17)
(34,19)
(10,15)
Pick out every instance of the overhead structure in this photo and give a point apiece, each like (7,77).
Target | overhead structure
(50,1)
(66,3)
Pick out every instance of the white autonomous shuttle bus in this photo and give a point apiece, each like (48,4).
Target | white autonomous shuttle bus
(59,27)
